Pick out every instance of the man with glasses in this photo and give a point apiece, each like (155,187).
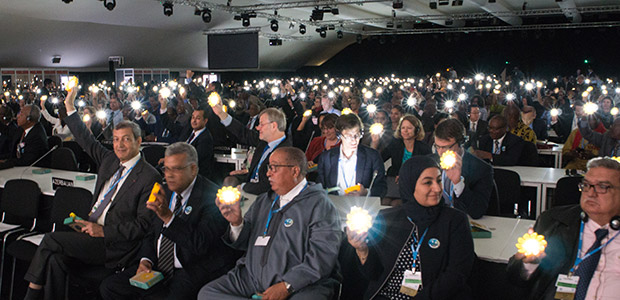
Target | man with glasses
(291,237)
(468,184)
(185,239)
(476,127)
(582,250)
(500,147)
(351,163)
(270,136)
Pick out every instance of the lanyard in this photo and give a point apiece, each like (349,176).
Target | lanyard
(274,211)
(414,252)
(113,186)
(263,157)
(444,177)
(579,259)
(347,183)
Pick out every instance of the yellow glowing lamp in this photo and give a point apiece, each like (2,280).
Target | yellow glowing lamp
(371,108)
(368,94)
(531,244)
(352,189)
(376,128)
(228,195)
(232,103)
(346,111)
(154,191)
(614,111)
(590,108)
(72,215)
(554,112)
(616,158)
(136,105)
(73,82)
(101,115)
(86,118)
(6,94)
(359,220)
(585,94)
(447,160)
(307,113)
(165,92)
(214,99)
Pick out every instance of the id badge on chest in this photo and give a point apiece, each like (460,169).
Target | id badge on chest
(262,241)
(566,287)
(411,283)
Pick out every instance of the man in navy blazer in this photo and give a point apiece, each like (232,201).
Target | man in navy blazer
(470,180)
(194,228)
(110,235)
(351,163)
(29,141)
(500,147)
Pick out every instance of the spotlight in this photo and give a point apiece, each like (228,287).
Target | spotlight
(302,28)
(322,31)
(109,4)
(206,15)
(339,34)
(492,1)
(245,22)
(275,42)
(317,14)
(168,9)
(67,1)
(274,25)
(56,59)
(397,4)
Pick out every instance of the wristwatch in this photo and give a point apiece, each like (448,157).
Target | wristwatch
(289,288)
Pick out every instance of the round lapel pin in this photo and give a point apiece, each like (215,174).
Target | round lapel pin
(433,243)
(288,222)
(188,210)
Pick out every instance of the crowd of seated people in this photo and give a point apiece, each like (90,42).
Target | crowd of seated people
(308,137)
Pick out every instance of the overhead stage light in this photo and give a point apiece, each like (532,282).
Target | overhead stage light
(322,31)
(168,8)
(339,34)
(67,1)
(109,4)
(274,25)
(206,15)
(302,28)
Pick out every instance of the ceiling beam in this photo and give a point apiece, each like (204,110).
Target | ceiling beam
(500,10)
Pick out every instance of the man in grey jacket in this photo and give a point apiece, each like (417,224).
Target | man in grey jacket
(291,237)
(608,142)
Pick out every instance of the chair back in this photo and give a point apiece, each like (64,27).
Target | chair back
(20,201)
(54,140)
(85,162)
(567,191)
(63,158)
(153,153)
(70,200)
(493,208)
(508,190)
(529,155)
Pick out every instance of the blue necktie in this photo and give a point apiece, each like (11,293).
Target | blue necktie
(586,268)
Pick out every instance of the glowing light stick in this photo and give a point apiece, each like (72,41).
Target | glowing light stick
(510,97)
(154,191)
(488,85)
(449,104)
(379,90)
(371,108)
(214,99)
(614,111)
(479,77)
(136,105)
(539,84)
(331,94)
(554,112)
(81,103)
(101,115)
(462,97)
(531,244)
(347,89)
(376,128)
(302,95)
(411,101)
(618,90)
(359,220)
(181,90)
(585,94)
(165,92)
(6,94)
(590,108)
(368,94)
(20,97)
(43,98)
(85,118)
(95,89)
(450,86)
(590,89)
(307,113)
(232,103)
(447,160)
(73,82)
(346,111)
(496,92)
(275,90)
(228,195)
(155,88)
(54,100)
(352,189)
(529,86)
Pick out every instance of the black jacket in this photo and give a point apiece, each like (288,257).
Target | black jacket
(34,146)
(511,149)
(396,149)
(445,270)
(204,146)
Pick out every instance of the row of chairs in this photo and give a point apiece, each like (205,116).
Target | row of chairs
(23,227)
(69,156)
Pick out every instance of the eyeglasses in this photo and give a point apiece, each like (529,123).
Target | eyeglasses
(273,168)
(353,137)
(444,147)
(174,169)
(264,124)
(600,188)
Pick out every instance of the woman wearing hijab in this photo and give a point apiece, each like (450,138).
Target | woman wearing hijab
(421,239)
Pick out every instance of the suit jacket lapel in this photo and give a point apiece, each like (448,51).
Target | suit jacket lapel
(360,164)
(129,181)
(333,170)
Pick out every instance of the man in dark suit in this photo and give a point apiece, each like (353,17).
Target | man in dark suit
(118,220)
(500,147)
(189,222)
(270,136)
(8,128)
(592,224)
(29,142)
(468,184)
(476,127)
(201,139)
(351,163)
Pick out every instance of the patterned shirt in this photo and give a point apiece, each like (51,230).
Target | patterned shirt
(391,288)
(525,132)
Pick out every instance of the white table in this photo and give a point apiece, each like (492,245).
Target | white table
(45,180)
(556,151)
(237,156)
(539,178)
(504,234)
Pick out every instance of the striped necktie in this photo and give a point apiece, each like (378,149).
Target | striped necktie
(166,247)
